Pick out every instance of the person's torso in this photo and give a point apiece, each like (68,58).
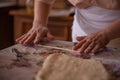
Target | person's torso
(95,18)
(107,4)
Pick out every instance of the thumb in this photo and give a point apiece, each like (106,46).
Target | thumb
(50,36)
(79,38)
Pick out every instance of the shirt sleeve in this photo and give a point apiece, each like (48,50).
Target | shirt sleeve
(47,1)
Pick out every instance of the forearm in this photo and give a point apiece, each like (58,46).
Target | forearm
(41,13)
(113,30)
(111,4)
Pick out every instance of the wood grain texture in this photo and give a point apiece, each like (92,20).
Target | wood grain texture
(109,56)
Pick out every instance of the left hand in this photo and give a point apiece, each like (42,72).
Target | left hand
(92,43)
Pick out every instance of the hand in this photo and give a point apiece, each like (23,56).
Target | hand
(92,43)
(35,34)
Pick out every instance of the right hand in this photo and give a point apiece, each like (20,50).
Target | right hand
(92,43)
(35,34)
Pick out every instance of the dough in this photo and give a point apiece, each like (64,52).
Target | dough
(64,67)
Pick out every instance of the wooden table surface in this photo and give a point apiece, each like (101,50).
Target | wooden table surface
(8,71)
(11,72)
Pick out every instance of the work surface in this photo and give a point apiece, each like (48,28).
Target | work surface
(11,69)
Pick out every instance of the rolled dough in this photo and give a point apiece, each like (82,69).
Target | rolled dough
(64,67)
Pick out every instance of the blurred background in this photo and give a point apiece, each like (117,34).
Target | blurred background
(16,18)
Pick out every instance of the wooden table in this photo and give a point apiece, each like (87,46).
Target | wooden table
(8,71)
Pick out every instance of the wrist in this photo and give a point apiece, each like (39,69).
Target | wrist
(108,34)
(40,27)
(37,23)
(113,30)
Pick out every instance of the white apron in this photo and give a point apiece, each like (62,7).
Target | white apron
(92,19)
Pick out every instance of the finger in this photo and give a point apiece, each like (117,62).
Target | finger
(50,36)
(18,39)
(89,48)
(95,49)
(24,38)
(37,38)
(84,46)
(29,39)
(80,38)
(77,46)
(40,35)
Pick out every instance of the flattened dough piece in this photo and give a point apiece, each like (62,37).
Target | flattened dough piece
(64,67)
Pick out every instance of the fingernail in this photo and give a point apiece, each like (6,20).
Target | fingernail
(92,51)
(20,42)
(85,52)
(16,40)
(24,43)
(81,51)
(35,42)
